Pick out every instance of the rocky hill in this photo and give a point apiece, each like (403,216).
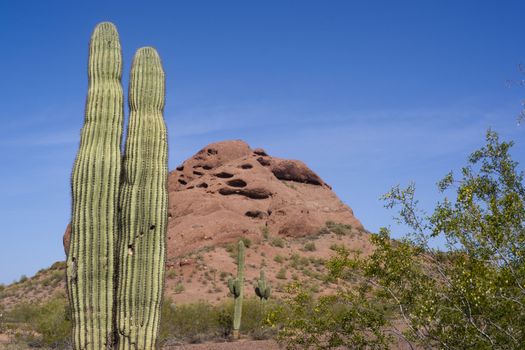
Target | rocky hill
(289,217)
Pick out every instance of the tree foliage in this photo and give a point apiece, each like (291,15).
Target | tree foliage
(469,295)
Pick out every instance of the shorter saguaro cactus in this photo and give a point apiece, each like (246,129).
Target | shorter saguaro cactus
(236,287)
(262,289)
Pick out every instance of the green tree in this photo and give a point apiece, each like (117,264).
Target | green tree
(471,294)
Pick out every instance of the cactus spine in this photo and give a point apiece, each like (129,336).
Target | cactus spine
(262,289)
(236,287)
(94,187)
(143,202)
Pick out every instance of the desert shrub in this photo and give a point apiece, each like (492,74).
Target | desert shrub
(299,262)
(323,231)
(338,228)
(265,232)
(230,247)
(58,275)
(201,321)
(328,322)
(317,262)
(22,313)
(281,274)
(171,274)
(336,247)
(309,247)
(224,319)
(278,259)
(53,323)
(192,323)
(247,242)
(277,242)
(59,265)
(54,278)
(254,318)
(45,325)
(47,281)
(179,288)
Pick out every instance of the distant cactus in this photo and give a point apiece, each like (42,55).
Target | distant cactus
(116,255)
(94,187)
(262,289)
(236,287)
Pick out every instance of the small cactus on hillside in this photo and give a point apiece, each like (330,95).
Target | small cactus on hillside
(262,289)
(236,287)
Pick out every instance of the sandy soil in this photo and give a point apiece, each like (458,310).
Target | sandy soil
(238,345)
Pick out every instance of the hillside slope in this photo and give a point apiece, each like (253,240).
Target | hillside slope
(290,217)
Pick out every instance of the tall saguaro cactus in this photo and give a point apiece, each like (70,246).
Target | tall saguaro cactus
(236,287)
(117,249)
(95,188)
(143,202)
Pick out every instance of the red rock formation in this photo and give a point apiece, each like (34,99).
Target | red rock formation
(228,190)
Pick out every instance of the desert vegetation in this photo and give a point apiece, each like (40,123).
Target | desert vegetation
(235,245)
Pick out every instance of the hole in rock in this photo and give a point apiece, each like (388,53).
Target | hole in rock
(263,162)
(207,167)
(182,182)
(237,183)
(254,193)
(203,185)
(224,175)
(246,166)
(256,214)
(260,152)
(198,173)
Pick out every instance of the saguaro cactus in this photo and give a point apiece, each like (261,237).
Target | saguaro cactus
(236,287)
(262,289)
(117,249)
(143,203)
(94,187)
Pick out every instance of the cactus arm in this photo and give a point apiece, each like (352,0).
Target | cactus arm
(143,202)
(233,286)
(94,189)
(267,292)
(262,289)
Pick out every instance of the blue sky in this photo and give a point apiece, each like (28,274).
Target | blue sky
(368,93)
